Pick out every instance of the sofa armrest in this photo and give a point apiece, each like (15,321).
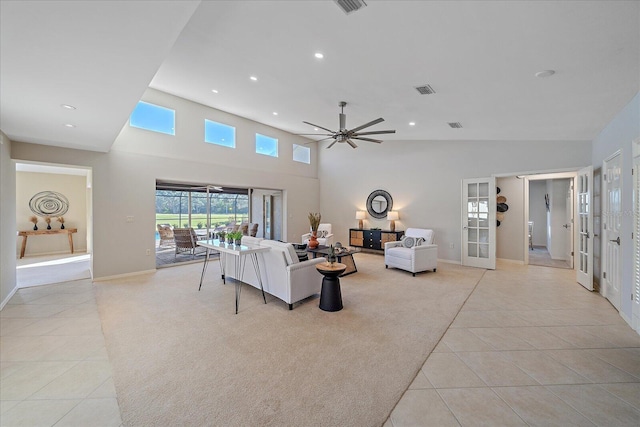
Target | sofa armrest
(306,236)
(306,264)
(424,247)
(389,245)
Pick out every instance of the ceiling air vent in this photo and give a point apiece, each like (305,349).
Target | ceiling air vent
(349,6)
(425,90)
(455,125)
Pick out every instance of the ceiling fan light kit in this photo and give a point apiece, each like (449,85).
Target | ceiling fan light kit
(345,135)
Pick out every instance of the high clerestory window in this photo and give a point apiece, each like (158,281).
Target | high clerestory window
(301,154)
(266,145)
(219,134)
(154,118)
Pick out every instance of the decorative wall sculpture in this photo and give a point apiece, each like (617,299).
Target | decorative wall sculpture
(49,203)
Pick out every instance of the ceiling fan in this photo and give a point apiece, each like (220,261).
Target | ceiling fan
(347,135)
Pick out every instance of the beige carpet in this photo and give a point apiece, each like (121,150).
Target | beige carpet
(182,357)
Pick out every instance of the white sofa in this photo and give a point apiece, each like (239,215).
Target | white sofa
(325,236)
(283,275)
(416,258)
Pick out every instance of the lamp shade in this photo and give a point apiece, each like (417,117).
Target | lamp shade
(360,214)
(393,215)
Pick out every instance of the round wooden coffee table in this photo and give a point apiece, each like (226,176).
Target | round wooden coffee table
(330,296)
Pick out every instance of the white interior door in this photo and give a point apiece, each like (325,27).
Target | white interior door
(479,222)
(568,226)
(584,205)
(612,220)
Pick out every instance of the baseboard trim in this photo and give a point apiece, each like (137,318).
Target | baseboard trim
(6,300)
(627,319)
(120,276)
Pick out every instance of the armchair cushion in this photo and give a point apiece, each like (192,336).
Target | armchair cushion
(412,257)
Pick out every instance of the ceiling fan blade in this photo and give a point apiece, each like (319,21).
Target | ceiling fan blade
(366,125)
(367,139)
(374,132)
(319,140)
(331,145)
(319,127)
(351,143)
(313,134)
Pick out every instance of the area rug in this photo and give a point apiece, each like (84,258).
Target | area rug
(183,357)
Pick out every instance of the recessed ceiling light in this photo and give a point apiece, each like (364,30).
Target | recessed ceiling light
(319,55)
(254,78)
(69,125)
(214,91)
(316,129)
(68,107)
(412,123)
(545,73)
(275,113)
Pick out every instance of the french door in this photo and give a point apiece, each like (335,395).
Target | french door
(479,222)
(584,205)
(635,312)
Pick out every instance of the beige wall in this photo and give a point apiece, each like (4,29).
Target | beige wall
(7,221)
(74,188)
(510,236)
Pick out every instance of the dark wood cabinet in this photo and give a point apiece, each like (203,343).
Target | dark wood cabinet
(372,239)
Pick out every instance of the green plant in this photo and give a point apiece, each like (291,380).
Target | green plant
(314,220)
(199,225)
(185,225)
(234,235)
(222,233)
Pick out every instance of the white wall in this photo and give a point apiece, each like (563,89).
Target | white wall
(619,135)
(124,179)
(538,211)
(7,220)
(73,187)
(510,235)
(424,179)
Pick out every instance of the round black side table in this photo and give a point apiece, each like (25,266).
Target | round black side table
(330,296)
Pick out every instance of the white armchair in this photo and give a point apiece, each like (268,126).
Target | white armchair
(325,236)
(413,258)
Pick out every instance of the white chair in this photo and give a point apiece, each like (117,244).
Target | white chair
(325,236)
(413,258)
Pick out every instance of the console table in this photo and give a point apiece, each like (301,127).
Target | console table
(238,251)
(372,239)
(25,234)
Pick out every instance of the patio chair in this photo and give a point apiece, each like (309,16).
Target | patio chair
(166,235)
(185,241)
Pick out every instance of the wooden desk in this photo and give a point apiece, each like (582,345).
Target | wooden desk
(25,234)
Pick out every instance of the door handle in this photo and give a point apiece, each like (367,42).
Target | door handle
(566,226)
(617,240)
(465,227)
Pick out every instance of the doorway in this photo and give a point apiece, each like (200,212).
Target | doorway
(53,197)
(551,222)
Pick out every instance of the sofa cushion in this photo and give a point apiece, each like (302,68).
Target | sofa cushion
(287,249)
(399,252)
(426,234)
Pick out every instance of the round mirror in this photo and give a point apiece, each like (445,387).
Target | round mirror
(379,203)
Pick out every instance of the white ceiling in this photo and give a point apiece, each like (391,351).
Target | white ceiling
(479,56)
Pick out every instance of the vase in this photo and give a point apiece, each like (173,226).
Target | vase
(48,226)
(238,242)
(313,240)
(62,227)
(35,226)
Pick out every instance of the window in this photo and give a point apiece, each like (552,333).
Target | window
(154,118)
(266,145)
(219,134)
(301,154)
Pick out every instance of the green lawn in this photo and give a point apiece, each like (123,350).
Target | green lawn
(216,220)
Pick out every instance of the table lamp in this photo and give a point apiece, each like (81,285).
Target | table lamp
(360,215)
(392,216)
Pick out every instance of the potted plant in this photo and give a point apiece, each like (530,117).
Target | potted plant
(221,235)
(314,222)
(34,220)
(331,257)
(237,237)
(60,219)
(47,219)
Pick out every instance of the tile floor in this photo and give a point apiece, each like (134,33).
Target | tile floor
(529,347)
(54,368)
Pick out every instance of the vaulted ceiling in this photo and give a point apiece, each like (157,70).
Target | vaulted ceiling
(480,58)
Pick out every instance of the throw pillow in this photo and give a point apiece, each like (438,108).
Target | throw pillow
(408,242)
(322,233)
